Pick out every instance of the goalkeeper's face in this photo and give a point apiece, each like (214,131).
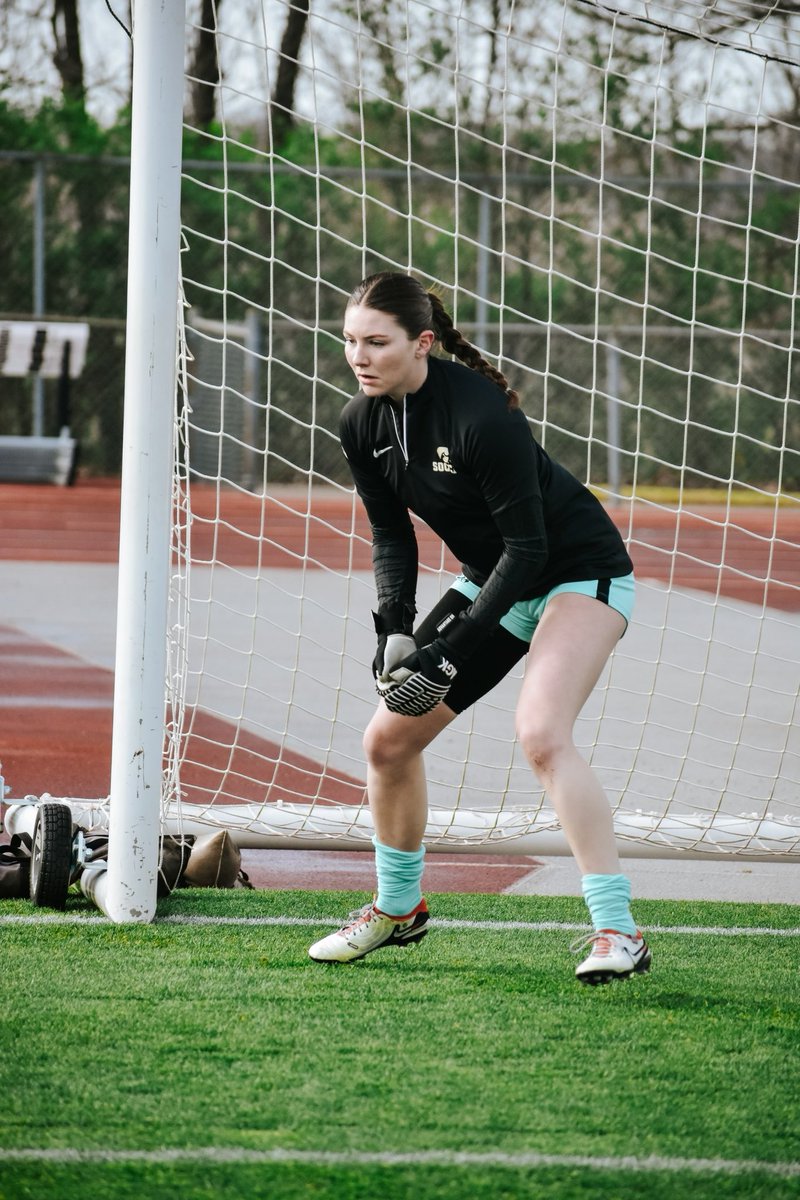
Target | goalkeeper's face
(384,359)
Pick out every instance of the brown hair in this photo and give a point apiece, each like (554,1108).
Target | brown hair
(416,309)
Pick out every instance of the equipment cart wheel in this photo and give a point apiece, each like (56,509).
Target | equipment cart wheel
(51,855)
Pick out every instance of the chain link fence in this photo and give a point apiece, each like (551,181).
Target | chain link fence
(692,402)
(612,414)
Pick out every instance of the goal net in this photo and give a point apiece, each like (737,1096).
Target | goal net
(607,197)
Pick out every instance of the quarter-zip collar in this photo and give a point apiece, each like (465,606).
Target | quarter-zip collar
(400,410)
(401,441)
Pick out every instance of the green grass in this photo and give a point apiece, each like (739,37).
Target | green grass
(187,1036)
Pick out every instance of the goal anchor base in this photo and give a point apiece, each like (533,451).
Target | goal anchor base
(453,831)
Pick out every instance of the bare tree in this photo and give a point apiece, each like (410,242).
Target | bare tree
(204,68)
(282,102)
(67,56)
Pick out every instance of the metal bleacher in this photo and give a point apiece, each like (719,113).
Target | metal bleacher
(44,350)
(37,459)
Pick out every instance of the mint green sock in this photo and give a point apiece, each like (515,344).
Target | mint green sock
(399,878)
(608,898)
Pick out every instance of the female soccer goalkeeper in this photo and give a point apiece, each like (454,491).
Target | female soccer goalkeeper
(544,574)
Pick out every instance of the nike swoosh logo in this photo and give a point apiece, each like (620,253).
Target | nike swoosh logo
(378,453)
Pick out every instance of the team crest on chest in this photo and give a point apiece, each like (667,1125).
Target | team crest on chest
(442,462)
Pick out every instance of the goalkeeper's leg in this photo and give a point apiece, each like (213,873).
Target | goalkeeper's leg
(398,796)
(398,800)
(569,650)
(396,783)
(573,640)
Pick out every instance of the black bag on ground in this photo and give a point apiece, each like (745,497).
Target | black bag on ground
(15,868)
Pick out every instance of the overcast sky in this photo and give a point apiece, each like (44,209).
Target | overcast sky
(26,45)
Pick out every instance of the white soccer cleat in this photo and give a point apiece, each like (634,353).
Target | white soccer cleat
(613,955)
(368,929)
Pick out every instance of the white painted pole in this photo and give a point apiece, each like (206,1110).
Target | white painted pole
(39,188)
(127,891)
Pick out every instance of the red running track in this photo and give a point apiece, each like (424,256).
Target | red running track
(748,554)
(57,738)
(57,708)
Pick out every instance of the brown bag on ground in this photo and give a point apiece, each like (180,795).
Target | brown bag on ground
(215,861)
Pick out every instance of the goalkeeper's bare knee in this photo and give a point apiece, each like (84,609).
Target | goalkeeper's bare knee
(389,740)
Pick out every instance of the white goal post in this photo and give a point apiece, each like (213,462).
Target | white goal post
(127,890)
(605,195)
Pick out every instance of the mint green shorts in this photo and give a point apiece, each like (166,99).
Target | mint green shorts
(524,616)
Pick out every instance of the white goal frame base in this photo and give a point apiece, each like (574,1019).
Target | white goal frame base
(454,831)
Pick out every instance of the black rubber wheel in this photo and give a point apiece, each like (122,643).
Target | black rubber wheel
(51,855)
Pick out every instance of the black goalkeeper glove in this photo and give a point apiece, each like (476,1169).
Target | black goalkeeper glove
(427,676)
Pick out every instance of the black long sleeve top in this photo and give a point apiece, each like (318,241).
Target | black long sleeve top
(454,454)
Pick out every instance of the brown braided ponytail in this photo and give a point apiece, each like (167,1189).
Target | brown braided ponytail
(415,310)
(454,342)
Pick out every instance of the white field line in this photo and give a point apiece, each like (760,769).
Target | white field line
(524,1160)
(435,923)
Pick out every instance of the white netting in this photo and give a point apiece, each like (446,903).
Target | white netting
(607,195)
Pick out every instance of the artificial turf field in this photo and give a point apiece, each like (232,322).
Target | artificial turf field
(205,1056)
